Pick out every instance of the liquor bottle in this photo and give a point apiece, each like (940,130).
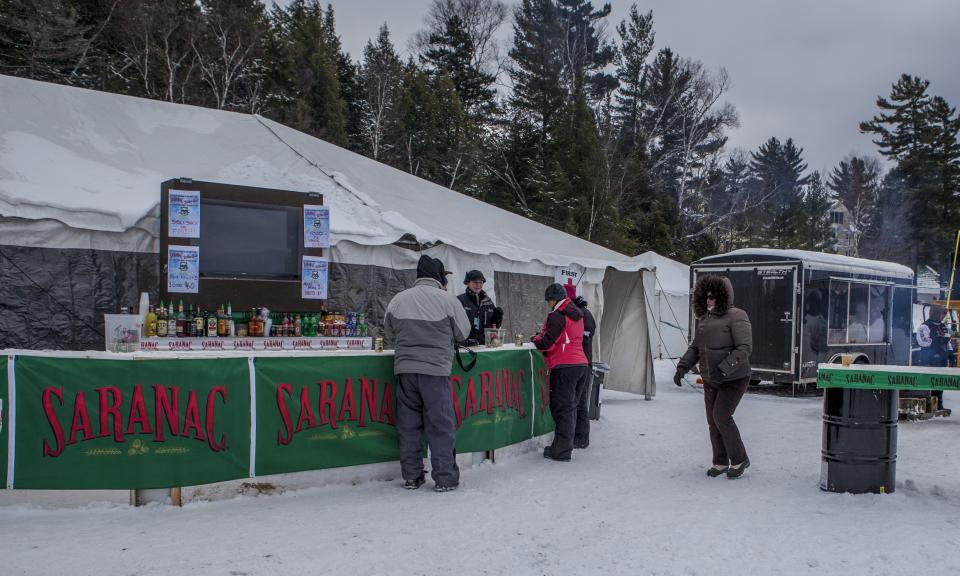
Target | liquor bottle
(285,325)
(221,322)
(230,329)
(201,323)
(298,326)
(191,327)
(162,321)
(252,329)
(212,325)
(181,320)
(151,323)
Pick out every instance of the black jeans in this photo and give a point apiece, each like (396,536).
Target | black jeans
(721,402)
(581,435)
(566,388)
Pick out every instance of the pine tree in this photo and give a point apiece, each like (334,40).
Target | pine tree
(636,44)
(42,40)
(919,133)
(351,91)
(453,53)
(855,183)
(304,89)
(889,235)
(584,51)
(537,41)
(778,169)
(582,200)
(813,229)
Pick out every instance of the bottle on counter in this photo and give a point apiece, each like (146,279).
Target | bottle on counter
(231,330)
(298,326)
(221,322)
(162,321)
(181,321)
(151,323)
(200,322)
(211,327)
(191,325)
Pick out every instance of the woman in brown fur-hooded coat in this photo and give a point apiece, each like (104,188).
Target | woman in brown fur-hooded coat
(721,346)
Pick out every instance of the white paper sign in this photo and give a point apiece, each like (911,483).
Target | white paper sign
(313,283)
(184,214)
(568,276)
(183,269)
(316,226)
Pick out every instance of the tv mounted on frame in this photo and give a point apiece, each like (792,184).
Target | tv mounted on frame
(251,245)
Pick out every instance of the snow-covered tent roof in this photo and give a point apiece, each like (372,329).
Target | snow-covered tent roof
(822,261)
(94,161)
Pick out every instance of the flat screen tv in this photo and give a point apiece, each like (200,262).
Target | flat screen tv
(241,239)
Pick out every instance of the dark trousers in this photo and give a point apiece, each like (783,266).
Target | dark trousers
(938,394)
(581,435)
(721,402)
(424,404)
(566,388)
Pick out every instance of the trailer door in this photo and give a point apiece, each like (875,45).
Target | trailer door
(767,293)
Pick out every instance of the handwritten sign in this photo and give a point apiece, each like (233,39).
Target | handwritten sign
(313,283)
(183,269)
(316,226)
(184,214)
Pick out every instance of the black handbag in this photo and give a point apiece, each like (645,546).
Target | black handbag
(473,356)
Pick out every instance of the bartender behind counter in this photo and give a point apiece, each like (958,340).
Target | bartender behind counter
(479,308)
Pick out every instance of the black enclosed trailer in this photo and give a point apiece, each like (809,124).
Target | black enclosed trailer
(808,308)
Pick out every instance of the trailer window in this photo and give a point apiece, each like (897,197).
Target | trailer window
(859,313)
(839,300)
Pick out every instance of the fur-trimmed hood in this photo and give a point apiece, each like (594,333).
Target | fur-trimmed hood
(720,287)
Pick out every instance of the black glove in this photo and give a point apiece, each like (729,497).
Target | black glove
(469,342)
(678,377)
(497,317)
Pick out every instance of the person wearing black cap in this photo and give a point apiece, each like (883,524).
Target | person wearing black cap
(481,312)
(423,323)
(561,341)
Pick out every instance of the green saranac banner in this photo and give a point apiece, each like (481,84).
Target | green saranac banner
(897,377)
(90,423)
(4,420)
(325,412)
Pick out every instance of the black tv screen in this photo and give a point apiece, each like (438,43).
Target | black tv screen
(240,239)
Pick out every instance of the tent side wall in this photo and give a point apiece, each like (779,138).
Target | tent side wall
(624,334)
(52,298)
(668,316)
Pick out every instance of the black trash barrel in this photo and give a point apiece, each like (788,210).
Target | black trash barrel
(859,452)
(598,370)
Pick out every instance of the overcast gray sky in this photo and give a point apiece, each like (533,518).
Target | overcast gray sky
(806,69)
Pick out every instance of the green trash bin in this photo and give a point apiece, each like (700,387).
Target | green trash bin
(598,371)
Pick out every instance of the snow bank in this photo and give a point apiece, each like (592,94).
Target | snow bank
(636,502)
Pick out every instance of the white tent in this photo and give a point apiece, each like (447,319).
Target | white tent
(667,286)
(80,175)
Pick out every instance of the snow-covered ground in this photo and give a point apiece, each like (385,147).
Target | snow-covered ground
(636,502)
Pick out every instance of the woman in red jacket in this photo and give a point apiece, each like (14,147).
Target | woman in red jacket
(561,341)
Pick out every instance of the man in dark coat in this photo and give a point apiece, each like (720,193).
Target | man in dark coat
(721,346)
(480,309)
(561,341)
(934,341)
(423,323)
(581,438)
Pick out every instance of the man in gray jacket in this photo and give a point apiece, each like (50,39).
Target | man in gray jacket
(423,322)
